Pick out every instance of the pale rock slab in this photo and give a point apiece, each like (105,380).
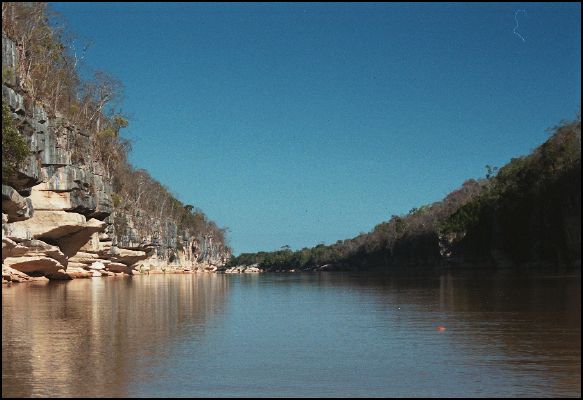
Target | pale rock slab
(34,265)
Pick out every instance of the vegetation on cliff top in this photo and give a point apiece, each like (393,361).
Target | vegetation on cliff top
(47,73)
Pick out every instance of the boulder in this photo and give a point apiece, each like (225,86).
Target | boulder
(13,275)
(60,275)
(76,265)
(77,273)
(34,265)
(127,257)
(84,258)
(118,268)
(16,207)
(12,249)
(70,273)
(38,248)
(98,265)
(53,224)
(70,231)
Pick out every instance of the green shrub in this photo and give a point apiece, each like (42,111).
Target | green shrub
(116,200)
(14,147)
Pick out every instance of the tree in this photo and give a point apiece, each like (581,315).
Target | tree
(15,149)
(490,171)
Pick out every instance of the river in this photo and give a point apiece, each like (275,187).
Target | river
(429,333)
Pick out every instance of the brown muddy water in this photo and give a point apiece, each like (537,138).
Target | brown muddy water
(282,335)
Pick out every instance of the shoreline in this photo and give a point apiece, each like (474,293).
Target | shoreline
(10,276)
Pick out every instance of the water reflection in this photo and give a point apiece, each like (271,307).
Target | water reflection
(93,337)
(523,325)
(328,334)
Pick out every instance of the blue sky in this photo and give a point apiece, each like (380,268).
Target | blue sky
(300,123)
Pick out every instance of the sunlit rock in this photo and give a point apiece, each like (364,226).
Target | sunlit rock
(44,200)
(34,265)
(98,265)
(128,257)
(38,248)
(12,249)
(12,275)
(118,267)
(53,224)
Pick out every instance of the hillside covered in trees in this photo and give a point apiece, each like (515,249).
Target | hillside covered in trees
(66,177)
(527,213)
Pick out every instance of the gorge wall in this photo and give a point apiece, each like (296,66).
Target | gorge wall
(58,217)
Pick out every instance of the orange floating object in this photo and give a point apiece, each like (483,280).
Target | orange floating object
(440,328)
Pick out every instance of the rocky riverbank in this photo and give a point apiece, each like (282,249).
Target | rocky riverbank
(256,268)
(12,275)
(59,220)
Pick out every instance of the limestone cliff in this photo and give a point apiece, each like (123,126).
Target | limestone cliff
(58,218)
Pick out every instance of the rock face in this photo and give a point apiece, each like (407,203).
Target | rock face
(17,208)
(57,212)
